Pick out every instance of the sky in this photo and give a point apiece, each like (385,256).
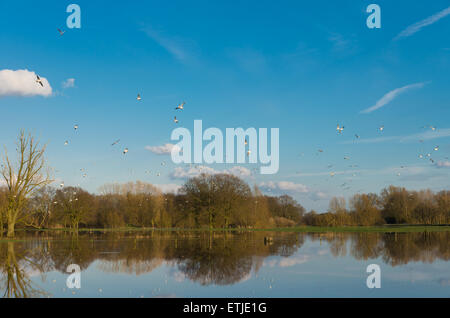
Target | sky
(303,67)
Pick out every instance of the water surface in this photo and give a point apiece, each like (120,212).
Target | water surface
(218,264)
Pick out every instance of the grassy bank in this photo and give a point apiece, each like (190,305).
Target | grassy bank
(312,229)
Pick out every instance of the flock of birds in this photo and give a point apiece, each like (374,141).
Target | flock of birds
(180,107)
(340,129)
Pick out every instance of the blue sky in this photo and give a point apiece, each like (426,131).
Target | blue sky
(301,67)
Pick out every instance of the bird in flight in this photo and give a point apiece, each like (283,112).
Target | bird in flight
(180,106)
(61,32)
(38,80)
(175,120)
(115,142)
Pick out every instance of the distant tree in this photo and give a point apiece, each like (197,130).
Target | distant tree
(366,210)
(74,206)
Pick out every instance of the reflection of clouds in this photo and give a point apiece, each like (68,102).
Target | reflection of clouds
(291,261)
(179,277)
(288,261)
(410,276)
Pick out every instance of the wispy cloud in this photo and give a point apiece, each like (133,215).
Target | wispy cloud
(164,149)
(70,82)
(176,46)
(22,83)
(388,97)
(416,27)
(428,135)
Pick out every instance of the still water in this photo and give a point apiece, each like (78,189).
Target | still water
(247,264)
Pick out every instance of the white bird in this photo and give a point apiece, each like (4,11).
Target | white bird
(175,120)
(38,80)
(180,106)
(125,150)
(138,97)
(75,127)
(381,128)
(436,148)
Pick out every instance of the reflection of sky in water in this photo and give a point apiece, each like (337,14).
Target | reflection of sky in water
(311,271)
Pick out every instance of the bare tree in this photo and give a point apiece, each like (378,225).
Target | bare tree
(23,178)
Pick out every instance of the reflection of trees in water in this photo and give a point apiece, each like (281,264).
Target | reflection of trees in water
(15,265)
(394,248)
(206,257)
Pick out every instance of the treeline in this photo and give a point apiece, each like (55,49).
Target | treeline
(207,201)
(395,205)
(219,201)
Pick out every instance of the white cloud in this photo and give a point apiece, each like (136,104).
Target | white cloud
(164,149)
(387,98)
(70,82)
(168,188)
(416,27)
(22,83)
(190,172)
(443,164)
(286,186)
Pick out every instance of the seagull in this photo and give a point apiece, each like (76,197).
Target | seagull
(175,120)
(75,127)
(115,142)
(125,150)
(436,148)
(139,97)
(180,106)
(381,128)
(61,32)
(38,80)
